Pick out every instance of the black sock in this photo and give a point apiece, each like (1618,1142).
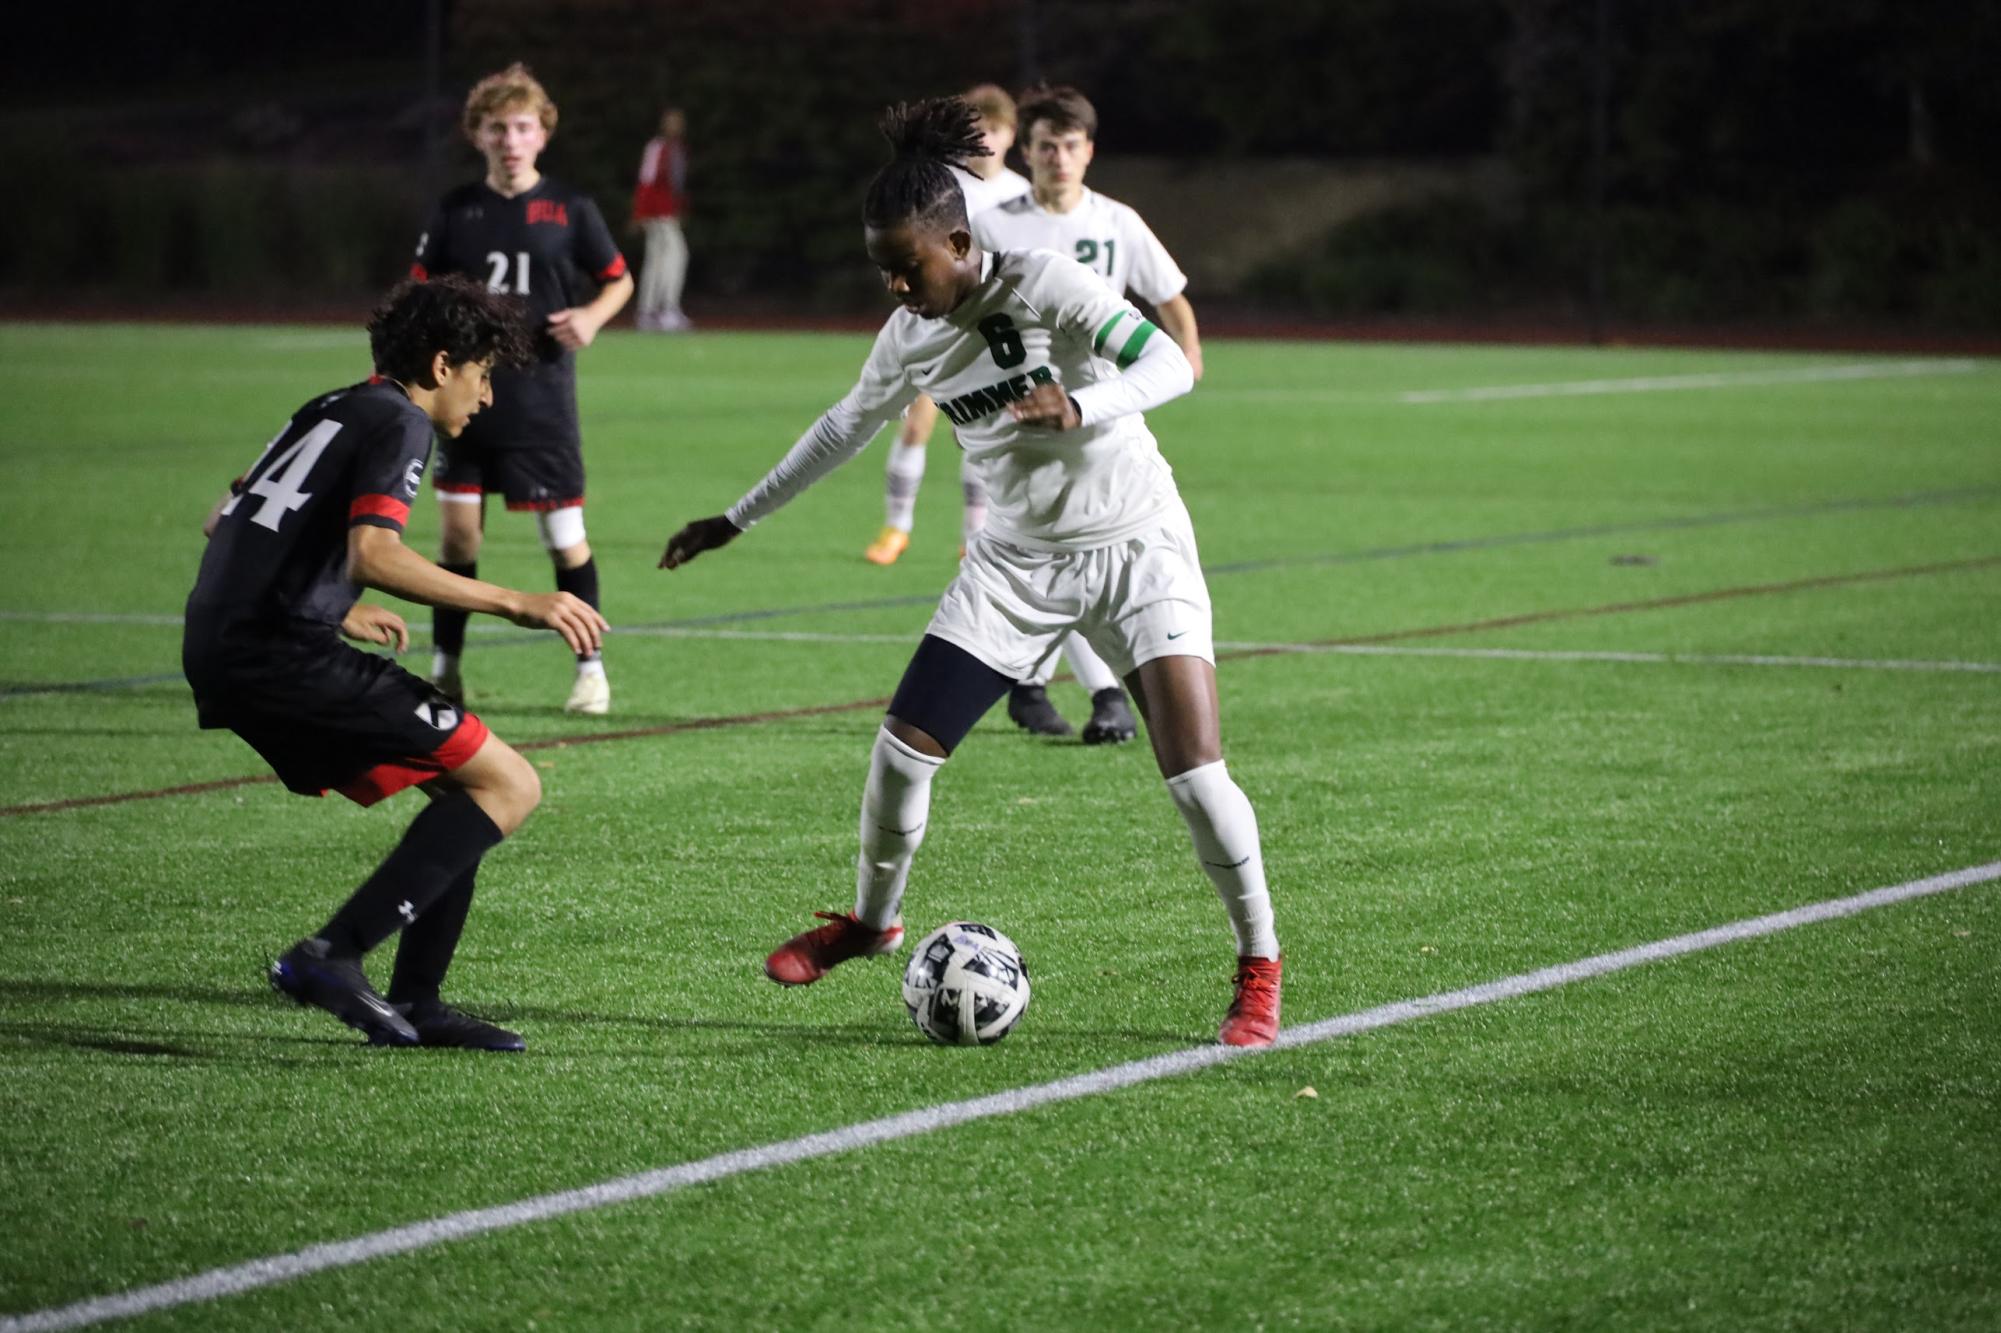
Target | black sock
(425,951)
(440,845)
(448,627)
(581,583)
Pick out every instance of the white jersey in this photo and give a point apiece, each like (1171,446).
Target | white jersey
(1034,318)
(992,192)
(1102,234)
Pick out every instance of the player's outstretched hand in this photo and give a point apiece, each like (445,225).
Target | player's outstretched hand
(368,623)
(570,616)
(574,328)
(704,534)
(1049,406)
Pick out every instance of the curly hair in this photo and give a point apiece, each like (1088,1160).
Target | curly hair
(926,140)
(512,89)
(452,314)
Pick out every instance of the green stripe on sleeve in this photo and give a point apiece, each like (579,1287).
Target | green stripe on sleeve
(1105,331)
(1130,352)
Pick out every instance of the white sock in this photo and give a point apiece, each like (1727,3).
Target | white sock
(899,488)
(975,491)
(1225,830)
(1089,668)
(590,666)
(443,662)
(895,807)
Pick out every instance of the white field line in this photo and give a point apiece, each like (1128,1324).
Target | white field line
(1346,649)
(1863,370)
(219,1282)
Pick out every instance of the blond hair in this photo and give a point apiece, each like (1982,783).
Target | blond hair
(992,102)
(512,89)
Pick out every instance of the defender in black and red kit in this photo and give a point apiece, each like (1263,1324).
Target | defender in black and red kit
(525,235)
(319,516)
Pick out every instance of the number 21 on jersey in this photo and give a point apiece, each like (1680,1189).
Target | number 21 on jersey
(1087,254)
(496,273)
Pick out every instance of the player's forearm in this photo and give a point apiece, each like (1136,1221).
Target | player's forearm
(385,563)
(1177,321)
(839,434)
(610,300)
(1159,373)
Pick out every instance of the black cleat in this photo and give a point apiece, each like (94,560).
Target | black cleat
(438,1024)
(1028,707)
(1111,721)
(339,986)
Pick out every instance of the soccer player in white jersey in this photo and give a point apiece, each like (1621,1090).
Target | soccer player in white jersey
(1060,135)
(1045,373)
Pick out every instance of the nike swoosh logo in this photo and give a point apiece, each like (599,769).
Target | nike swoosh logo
(901,832)
(1177,634)
(1230,866)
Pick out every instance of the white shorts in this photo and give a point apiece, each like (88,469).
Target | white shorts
(1133,601)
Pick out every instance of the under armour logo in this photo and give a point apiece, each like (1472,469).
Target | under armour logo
(438,714)
(407,911)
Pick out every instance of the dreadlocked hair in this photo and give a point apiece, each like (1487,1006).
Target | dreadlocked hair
(926,139)
(450,314)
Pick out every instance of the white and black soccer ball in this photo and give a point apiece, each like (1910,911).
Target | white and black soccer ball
(966,985)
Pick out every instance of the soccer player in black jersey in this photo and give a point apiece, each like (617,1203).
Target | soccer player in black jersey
(318,517)
(523,234)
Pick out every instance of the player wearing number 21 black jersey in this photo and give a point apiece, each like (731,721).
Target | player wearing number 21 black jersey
(1044,372)
(526,235)
(316,518)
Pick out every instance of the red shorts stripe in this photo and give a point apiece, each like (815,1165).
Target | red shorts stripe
(615,269)
(379,506)
(457,488)
(544,506)
(385,780)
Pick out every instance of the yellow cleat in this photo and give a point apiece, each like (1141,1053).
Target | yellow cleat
(888,545)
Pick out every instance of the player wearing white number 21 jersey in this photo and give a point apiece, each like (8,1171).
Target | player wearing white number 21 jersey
(1044,373)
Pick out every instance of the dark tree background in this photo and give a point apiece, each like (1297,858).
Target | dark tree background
(1670,159)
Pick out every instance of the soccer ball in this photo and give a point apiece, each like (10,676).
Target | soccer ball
(966,984)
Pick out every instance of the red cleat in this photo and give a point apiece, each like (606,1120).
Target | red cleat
(1253,1016)
(807,956)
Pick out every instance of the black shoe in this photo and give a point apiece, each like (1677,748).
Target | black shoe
(1111,721)
(438,1024)
(1028,707)
(339,986)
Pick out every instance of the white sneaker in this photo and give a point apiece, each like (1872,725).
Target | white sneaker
(591,694)
(673,321)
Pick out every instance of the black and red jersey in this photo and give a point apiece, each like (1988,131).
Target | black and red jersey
(276,567)
(548,245)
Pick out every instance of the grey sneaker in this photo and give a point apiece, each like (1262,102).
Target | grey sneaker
(1028,707)
(1111,720)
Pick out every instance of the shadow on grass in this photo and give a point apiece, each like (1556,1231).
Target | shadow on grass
(39,991)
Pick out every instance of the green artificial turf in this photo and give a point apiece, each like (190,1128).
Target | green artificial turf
(1797,1131)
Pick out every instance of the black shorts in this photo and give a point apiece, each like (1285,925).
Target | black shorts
(540,479)
(328,717)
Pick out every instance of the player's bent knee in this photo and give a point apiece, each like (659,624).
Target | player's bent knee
(562,530)
(504,783)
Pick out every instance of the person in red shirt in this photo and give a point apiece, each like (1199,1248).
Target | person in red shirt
(658,203)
